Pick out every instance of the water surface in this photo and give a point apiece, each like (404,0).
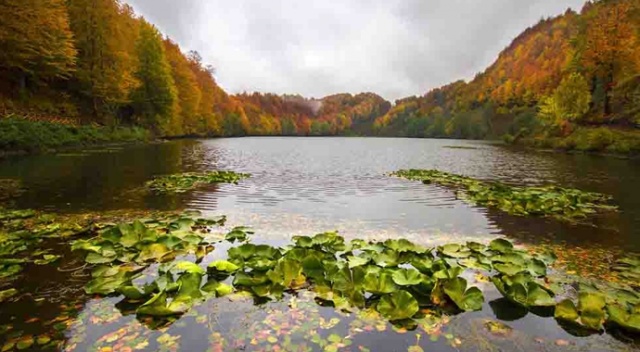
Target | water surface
(303,186)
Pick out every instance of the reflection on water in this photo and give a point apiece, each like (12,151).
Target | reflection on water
(334,181)
(302,186)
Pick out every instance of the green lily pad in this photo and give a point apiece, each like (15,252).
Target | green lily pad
(357,261)
(244,279)
(398,306)
(466,299)
(403,246)
(566,311)
(153,252)
(95,258)
(220,289)
(501,245)
(180,183)
(623,318)
(6,294)
(379,284)
(591,308)
(223,266)
(407,277)
(287,273)
(47,259)
(454,250)
(189,267)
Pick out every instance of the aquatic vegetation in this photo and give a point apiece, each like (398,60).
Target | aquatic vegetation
(164,268)
(20,232)
(628,267)
(140,242)
(180,183)
(23,135)
(10,188)
(561,203)
(395,278)
(589,313)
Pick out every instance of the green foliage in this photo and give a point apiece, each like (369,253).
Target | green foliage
(455,290)
(157,240)
(21,231)
(22,135)
(155,100)
(561,203)
(598,139)
(396,277)
(180,183)
(625,316)
(398,305)
(569,102)
(628,267)
(589,313)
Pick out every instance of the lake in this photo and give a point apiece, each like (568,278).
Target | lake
(304,186)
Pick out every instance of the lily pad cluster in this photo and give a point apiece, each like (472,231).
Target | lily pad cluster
(180,183)
(628,267)
(562,203)
(21,231)
(396,278)
(10,188)
(154,240)
(600,305)
(122,252)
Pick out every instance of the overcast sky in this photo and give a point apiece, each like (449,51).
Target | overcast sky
(395,48)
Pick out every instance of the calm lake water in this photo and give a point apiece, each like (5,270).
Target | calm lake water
(303,186)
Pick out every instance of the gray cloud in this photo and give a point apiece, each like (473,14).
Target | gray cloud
(395,48)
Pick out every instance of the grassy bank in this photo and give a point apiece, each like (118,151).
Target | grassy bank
(602,140)
(20,135)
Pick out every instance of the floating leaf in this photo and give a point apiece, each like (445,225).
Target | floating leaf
(467,300)
(454,250)
(223,266)
(95,258)
(398,305)
(379,283)
(628,320)
(567,311)
(407,277)
(6,294)
(591,308)
(180,183)
(47,259)
(501,245)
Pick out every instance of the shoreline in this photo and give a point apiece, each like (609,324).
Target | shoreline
(43,137)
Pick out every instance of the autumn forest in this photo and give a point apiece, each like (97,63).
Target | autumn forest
(495,213)
(568,82)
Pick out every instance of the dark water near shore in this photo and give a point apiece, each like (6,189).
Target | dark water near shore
(303,186)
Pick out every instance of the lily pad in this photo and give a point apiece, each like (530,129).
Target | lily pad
(398,305)
(223,266)
(466,299)
(180,183)
(407,277)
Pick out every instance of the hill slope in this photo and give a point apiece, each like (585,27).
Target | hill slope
(563,74)
(97,62)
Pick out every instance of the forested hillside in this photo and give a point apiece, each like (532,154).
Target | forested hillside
(97,62)
(339,114)
(556,83)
